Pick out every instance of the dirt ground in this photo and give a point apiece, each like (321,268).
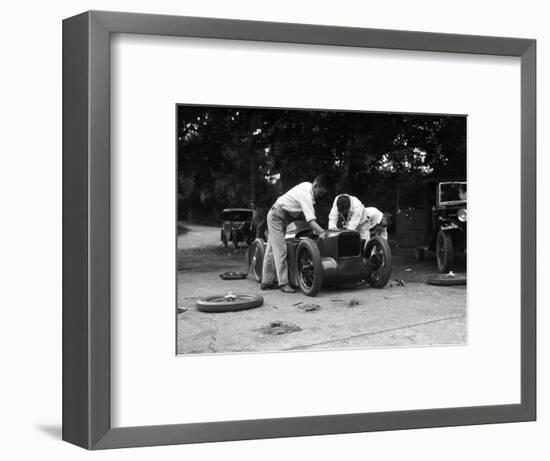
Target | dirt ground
(408,312)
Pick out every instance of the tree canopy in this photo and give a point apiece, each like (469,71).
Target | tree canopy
(230,156)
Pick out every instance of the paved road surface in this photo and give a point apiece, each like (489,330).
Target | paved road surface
(349,316)
(199,237)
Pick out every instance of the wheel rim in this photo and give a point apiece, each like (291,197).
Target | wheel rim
(375,256)
(256,265)
(306,269)
(230,299)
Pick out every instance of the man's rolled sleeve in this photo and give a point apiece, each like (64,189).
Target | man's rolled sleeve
(333,216)
(307,209)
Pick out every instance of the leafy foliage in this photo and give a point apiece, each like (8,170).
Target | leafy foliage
(230,156)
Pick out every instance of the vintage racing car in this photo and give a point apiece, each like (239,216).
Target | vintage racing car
(335,256)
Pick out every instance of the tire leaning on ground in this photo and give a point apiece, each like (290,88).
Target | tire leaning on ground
(444,251)
(256,259)
(229,303)
(447,280)
(309,267)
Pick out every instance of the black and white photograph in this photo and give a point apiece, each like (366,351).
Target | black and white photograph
(241,230)
(304,229)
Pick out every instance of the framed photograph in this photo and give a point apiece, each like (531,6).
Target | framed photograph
(276,230)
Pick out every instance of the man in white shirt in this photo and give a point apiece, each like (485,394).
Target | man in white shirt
(355,216)
(296,202)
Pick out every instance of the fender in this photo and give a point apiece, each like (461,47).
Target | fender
(449,226)
(445,226)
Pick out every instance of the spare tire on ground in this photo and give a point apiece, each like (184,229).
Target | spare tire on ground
(229,303)
(449,279)
(233,275)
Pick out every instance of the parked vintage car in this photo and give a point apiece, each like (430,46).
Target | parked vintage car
(237,226)
(335,256)
(435,219)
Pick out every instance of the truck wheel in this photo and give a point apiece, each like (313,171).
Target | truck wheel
(256,261)
(229,303)
(378,256)
(309,267)
(444,251)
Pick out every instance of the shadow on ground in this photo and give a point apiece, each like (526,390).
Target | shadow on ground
(52,430)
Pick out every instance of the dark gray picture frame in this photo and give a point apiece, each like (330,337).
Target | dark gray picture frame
(86,229)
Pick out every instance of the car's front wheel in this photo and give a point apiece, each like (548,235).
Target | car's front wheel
(378,256)
(444,251)
(309,267)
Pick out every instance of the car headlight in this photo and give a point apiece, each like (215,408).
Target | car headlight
(462,215)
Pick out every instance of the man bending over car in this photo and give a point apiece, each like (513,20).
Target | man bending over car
(296,202)
(349,213)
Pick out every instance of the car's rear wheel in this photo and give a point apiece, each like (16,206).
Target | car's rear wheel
(378,256)
(309,267)
(256,259)
(444,251)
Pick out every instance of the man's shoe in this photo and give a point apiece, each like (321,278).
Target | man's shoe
(264,286)
(287,289)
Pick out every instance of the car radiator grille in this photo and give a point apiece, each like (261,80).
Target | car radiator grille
(349,244)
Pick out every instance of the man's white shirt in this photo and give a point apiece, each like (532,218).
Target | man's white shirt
(359,215)
(297,200)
